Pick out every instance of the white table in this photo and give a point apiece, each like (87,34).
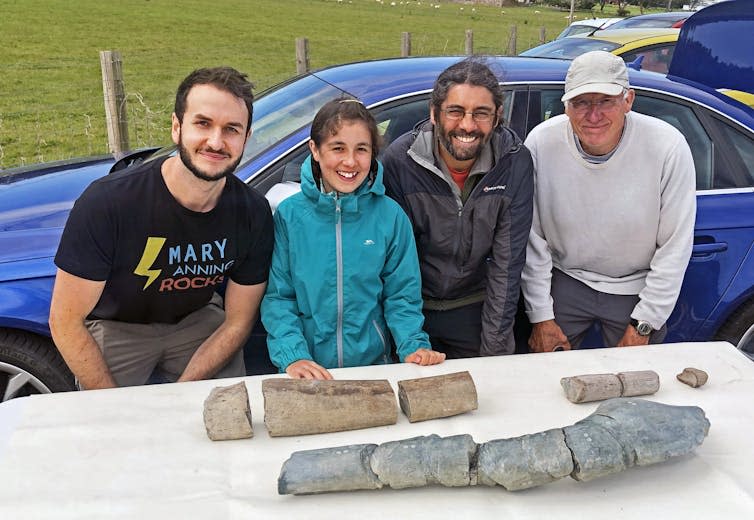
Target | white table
(143,452)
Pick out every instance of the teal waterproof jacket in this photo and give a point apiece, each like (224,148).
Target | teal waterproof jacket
(344,273)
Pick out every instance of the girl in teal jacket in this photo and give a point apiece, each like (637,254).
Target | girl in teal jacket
(344,273)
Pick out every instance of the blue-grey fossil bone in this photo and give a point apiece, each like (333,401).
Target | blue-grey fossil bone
(621,433)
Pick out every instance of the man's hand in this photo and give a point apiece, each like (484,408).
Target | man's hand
(241,306)
(305,369)
(546,335)
(425,357)
(631,338)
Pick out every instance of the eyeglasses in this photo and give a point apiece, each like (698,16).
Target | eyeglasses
(456,114)
(583,107)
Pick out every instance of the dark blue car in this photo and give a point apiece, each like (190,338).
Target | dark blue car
(717,299)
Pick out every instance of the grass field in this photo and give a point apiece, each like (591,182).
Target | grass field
(51,103)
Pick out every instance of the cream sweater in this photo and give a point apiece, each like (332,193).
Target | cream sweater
(622,227)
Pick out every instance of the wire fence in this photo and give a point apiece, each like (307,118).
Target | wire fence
(63,115)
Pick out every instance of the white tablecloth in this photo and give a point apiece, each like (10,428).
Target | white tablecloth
(143,452)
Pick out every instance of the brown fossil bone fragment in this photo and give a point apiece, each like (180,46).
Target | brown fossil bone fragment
(301,406)
(692,377)
(621,433)
(227,415)
(437,396)
(598,387)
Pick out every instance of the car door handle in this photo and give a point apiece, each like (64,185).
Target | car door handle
(708,249)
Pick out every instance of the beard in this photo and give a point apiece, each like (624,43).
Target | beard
(201,174)
(464,154)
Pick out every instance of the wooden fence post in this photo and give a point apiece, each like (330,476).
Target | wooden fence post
(302,55)
(542,34)
(406,44)
(115,102)
(512,41)
(469,45)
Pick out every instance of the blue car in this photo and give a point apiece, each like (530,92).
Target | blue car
(717,299)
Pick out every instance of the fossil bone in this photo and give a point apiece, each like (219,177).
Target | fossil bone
(437,396)
(692,377)
(227,415)
(597,387)
(621,433)
(300,407)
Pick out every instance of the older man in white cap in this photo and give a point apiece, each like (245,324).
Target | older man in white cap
(614,208)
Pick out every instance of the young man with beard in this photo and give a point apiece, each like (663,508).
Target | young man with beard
(145,249)
(466,183)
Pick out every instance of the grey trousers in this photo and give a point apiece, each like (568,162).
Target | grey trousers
(133,351)
(577,307)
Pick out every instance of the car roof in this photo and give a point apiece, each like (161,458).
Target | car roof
(671,17)
(636,36)
(617,41)
(379,81)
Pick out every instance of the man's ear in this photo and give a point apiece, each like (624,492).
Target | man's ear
(630,95)
(175,128)
(432,114)
(498,117)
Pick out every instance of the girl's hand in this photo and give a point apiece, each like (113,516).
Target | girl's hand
(425,357)
(305,369)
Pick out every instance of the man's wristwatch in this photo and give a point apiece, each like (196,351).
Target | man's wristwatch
(642,327)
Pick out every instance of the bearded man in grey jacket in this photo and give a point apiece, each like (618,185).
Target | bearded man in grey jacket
(614,209)
(466,183)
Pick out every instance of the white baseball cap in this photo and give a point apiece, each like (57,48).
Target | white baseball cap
(597,72)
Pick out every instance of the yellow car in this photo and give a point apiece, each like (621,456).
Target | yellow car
(655,45)
(747,98)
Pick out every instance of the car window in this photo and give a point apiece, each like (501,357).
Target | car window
(686,121)
(515,111)
(546,104)
(569,48)
(393,120)
(280,112)
(738,158)
(573,30)
(656,59)
(652,23)
(399,118)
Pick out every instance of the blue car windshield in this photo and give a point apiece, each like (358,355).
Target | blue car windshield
(284,109)
(569,48)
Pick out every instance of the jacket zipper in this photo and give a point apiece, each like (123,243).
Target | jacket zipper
(457,247)
(459,226)
(382,339)
(339,281)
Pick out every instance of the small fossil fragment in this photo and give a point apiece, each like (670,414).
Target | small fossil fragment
(227,415)
(620,434)
(597,387)
(692,377)
(437,396)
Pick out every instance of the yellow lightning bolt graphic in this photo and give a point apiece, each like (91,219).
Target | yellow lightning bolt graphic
(151,250)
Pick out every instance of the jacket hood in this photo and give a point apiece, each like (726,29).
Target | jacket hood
(349,202)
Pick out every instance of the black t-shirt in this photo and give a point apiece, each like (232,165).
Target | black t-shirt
(160,260)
